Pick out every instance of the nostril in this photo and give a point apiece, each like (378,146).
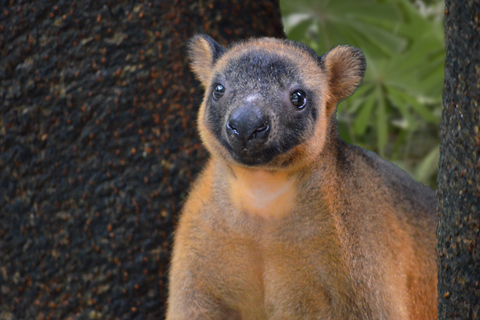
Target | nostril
(261,132)
(264,127)
(231,127)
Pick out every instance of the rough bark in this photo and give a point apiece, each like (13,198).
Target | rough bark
(98,145)
(458,193)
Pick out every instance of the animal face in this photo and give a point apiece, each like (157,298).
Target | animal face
(268,101)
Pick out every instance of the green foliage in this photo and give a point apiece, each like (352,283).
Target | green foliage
(396,111)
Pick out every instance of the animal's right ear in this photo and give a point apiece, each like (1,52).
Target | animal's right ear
(345,66)
(203,52)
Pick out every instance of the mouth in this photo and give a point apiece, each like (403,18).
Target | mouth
(251,156)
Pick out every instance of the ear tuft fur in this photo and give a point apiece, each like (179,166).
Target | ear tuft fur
(345,68)
(203,52)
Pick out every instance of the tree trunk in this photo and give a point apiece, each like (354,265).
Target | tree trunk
(98,146)
(458,194)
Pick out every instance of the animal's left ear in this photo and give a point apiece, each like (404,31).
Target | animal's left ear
(345,68)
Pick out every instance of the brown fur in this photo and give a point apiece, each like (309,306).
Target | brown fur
(325,231)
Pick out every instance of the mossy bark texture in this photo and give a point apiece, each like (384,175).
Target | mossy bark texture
(458,194)
(98,147)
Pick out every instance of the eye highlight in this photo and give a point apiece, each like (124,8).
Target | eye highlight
(298,99)
(218,92)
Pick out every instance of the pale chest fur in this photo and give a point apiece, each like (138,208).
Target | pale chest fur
(262,193)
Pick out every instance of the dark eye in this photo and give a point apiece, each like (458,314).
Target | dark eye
(298,99)
(218,92)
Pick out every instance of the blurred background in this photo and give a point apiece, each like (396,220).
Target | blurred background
(98,137)
(396,110)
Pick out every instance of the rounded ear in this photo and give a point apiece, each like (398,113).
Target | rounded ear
(203,51)
(345,68)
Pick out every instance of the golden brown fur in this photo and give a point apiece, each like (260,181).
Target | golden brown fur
(324,231)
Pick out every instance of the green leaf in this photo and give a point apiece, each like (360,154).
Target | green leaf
(422,110)
(361,122)
(388,42)
(299,30)
(429,166)
(432,84)
(374,11)
(382,131)
(414,57)
(362,90)
(399,104)
(416,25)
(354,102)
(399,142)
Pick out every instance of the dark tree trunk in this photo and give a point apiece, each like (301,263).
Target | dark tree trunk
(98,146)
(458,193)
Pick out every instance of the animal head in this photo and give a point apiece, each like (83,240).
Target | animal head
(269,102)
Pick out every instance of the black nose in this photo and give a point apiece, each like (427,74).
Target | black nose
(247,124)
